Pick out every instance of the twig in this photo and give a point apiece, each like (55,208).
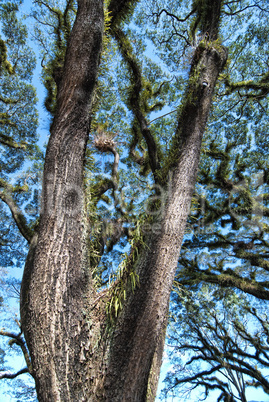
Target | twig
(173,111)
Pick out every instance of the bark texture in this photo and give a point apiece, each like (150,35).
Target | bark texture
(73,355)
(56,277)
(140,331)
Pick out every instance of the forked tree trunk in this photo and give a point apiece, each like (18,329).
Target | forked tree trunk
(74,355)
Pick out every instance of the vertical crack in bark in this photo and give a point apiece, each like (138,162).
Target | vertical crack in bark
(143,320)
(56,279)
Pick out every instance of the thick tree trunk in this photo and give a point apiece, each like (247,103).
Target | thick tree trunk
(74,358)
(140,331)
(55,284)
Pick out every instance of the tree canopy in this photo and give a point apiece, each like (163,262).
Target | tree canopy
(135,93)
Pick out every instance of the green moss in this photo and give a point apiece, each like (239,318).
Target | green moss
(52,71)
(4,63)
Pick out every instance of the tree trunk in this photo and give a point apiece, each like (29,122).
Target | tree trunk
(55,288)
(75,355)
(140,330)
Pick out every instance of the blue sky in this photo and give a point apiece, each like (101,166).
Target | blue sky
(255,395)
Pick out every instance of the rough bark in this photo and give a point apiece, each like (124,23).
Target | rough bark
(140,330)
(56,277)
(74,356)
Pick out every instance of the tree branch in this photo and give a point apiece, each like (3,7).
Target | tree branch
(120,9)
(201,374)
(231,13)
(17,339)
(262,86)
(9,142)
(135,97)
(18,216)
(13,375)
(227,279)
(175,17)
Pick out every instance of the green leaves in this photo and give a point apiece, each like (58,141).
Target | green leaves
(52,29)
(18,125)
(145,67)
(18,116)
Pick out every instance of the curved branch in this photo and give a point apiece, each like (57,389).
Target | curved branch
(13,375)
(17,215)
(175,17)
(228,279)
(135,97)
(196,376)
(17,339)
(231,13)
(233,360)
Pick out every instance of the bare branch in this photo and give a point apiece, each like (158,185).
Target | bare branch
(9,375)
(175,17)
(18,216)
(166,114)
(231,13)
(18,340)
